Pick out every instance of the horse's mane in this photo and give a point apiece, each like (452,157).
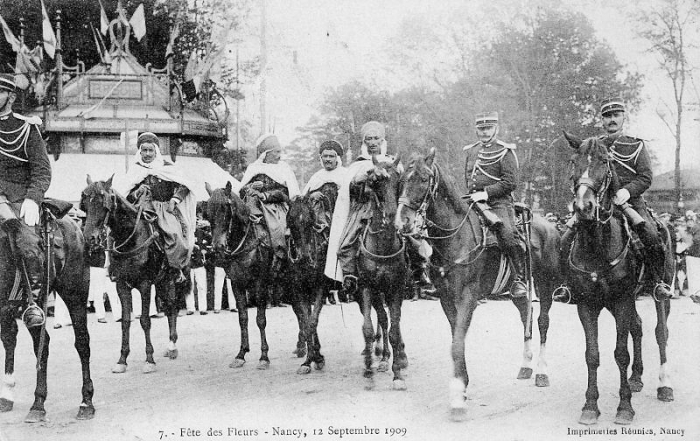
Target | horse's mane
(219,197)
(448,188)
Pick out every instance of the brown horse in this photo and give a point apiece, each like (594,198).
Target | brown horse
(69,275)
(136,261)
(308,220)
(605,273)
(467,268)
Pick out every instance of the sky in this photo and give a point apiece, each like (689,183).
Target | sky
(336,41)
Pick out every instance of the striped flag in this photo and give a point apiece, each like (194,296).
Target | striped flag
(49,36)
(9,36)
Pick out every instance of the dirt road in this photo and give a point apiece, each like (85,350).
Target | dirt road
(198,397)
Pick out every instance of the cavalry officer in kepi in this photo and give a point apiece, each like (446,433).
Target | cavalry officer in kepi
(25,175)
(491,172)
(633,168)
(352,212)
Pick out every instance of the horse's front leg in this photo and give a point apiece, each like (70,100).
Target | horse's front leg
(37,412)
(314,342)
(302,309)
(241,297)
(665,390)
(299,306)
(367,332)
(588,315)
(636,331)
(458,385)
(542,372)
(124,292)
(171,294)
(8,335)
(144,289)
(525,372)
(261,290)
(624,313)
(382,333)
(78,315)
(400,361)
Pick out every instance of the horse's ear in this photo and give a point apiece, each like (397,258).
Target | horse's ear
(207,187)
(228,188)
(108,183)
(396,162)
(573,141)
(89,180)
(431,156)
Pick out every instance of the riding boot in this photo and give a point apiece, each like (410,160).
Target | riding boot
(421,279)
(516,256)
(655,259)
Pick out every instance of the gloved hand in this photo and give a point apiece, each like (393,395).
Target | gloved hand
(479,196)
(172,204)
(622,196)
(30,212)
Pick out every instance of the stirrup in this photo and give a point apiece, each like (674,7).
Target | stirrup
(517,283)
(33,316)
(664,289)
(564,296)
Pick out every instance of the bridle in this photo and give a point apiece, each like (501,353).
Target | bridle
(599,192)
(240,248)
(379,204)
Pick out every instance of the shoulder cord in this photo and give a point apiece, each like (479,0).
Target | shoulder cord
(623,159)
(19,142)
(486,159)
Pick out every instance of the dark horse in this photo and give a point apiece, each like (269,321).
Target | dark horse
(247,260)
(69,276)
(469,268)
(308,220)
(136,261)
(383,270)
(605,273)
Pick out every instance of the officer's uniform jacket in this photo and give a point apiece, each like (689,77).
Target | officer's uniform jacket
(632,165)
(25,170)
(492,168)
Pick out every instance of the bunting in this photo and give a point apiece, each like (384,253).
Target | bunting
(138,23)
(9,36)
(49,36)
(29,61)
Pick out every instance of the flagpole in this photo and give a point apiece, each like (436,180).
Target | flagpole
(59,62)
(22,101)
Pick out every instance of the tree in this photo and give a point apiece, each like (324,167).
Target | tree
(668,26)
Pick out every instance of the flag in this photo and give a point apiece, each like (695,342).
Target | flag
(9,36)
(174,33)
(104,23)
(49,36)
(29,61)
(191,67)
(138,23)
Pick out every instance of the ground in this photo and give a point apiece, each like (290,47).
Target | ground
(199,397)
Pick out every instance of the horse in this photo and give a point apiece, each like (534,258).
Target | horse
(308,220)
(604,273)
(247,259)
(137,260)
(465,262)
(383,272)
(69,276)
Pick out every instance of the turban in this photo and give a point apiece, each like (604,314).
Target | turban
(266,143)
(147,138)
(331,145)
(372,128)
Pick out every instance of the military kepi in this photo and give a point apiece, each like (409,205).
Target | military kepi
(610,105)
(7,82)
(486,119)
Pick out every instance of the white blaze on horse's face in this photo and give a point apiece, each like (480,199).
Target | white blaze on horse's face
(585,197)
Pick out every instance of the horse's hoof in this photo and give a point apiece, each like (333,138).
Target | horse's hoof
(458,414)
(525,373)
(237,363)
(624,416)
(589,417)
(383,366)
(303,370)
(368,373)
(6,405)
(35,416)
(320,364)
(364,352)
(399,385)
(664,393)
(263,365)
(542,380)
(149,368)
(85,412)
(119,368)
(636,385)
(170,353)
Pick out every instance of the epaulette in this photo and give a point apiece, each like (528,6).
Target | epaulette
(467,147)
(505,144)
(30,119)
(628,140)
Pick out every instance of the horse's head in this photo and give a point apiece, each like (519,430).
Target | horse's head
(592,175)
(225,210)
(98,200)
(418,184)
(383,181)
(301,222)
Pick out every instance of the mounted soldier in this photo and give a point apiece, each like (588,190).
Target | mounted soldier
(267,186)
(491,173)
(353,210)
(25,176)
(160,189)
(333,172)
(633,168)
